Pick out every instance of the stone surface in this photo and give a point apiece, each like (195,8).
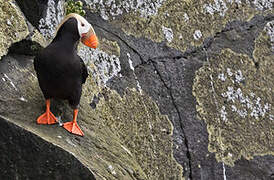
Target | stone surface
(167,76)
(27,156)
(190,22)
(13,27)
(34,10)
(235,101)
(235,96)
(137,122)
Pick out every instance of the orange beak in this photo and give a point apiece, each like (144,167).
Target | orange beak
(90,39)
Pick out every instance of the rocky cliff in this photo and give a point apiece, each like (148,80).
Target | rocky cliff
(176,90)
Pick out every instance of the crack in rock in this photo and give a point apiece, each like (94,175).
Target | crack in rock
(231,34)
(179,115)
(122,40)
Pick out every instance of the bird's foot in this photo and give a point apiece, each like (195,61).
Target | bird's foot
(73,128)
(47,118)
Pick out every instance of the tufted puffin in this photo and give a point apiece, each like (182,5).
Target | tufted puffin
(60,71)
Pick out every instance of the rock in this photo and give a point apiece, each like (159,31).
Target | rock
(234,97)
(43,15)
(25,155)
(167,75)
(148,109)
(34,10)
(190,22)
(13,26)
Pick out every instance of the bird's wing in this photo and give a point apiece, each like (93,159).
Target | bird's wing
(84,71)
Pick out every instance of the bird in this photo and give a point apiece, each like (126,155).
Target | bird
(61,72)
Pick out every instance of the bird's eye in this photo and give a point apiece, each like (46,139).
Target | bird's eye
(82,24)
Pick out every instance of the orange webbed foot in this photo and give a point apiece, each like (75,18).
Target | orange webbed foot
(47,118)
(73,128)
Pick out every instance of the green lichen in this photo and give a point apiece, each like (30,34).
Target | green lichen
(235,95)
(13,27)
(191,22)
(39,38)
(136,120)
(145,134)
(74,7)
(110,47)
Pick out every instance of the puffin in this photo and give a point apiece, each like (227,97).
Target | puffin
(61,72)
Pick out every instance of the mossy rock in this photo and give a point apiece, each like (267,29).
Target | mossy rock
(180,23)
(235,98)
(13,27)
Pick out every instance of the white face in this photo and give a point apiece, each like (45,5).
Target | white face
(83,25)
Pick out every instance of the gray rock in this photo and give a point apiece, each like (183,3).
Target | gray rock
(27,156)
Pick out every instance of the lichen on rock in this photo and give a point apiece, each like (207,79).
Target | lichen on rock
(13,27)
(54,14)
(36,36)
(270,32)
(102,65)
(235,98)
(110,47)
(190,22)
(110,9)
(145,134)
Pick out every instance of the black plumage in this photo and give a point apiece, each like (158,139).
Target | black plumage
(60,71)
